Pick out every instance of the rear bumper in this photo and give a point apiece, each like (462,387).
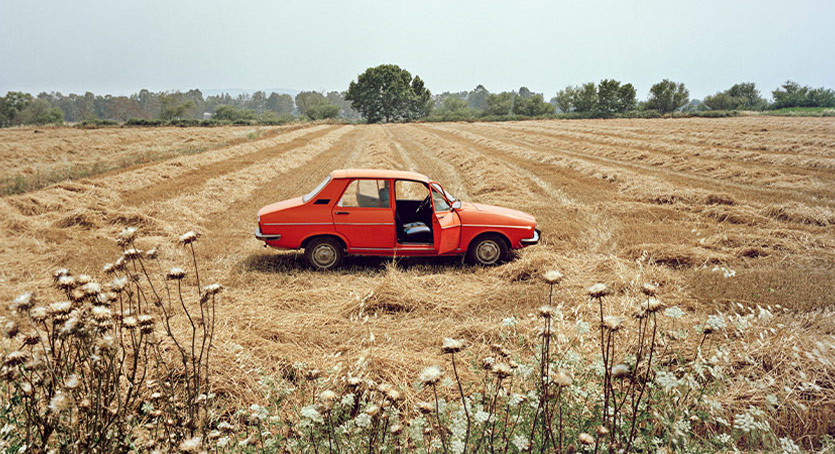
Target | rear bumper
(533,240)
(262,237)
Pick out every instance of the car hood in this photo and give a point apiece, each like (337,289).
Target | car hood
(492,210)
(279,206)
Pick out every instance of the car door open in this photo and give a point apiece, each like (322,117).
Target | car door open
(446,223)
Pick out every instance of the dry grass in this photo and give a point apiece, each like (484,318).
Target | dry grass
(622,201)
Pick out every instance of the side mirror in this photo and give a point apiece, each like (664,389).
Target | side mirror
(456,205)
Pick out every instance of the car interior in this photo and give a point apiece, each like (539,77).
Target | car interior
(413,213)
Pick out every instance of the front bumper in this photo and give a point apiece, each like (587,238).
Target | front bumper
(533,240)
(262,237)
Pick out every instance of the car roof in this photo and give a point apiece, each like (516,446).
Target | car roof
(380,173)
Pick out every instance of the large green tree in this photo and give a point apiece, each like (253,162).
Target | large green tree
(740,96)
(499,103)
(667,96)
(11,105)
(389,93)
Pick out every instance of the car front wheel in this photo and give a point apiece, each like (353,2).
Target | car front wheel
(324,253)
(487,250)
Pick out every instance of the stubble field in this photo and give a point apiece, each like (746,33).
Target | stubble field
(728,216)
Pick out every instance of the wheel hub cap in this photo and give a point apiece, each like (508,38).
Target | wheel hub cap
(488,252)
(324,255)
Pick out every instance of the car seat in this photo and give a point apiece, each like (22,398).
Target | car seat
(415,229)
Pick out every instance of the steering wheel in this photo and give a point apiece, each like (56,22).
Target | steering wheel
(424,204)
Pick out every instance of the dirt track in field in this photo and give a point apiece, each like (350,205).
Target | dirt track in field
(619,201)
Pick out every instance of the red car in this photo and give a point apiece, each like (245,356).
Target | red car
(388,213)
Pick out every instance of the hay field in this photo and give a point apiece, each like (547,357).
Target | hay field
(725,215)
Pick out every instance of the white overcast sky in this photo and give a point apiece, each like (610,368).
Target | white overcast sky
(121,46)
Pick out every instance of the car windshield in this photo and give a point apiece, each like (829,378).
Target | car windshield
(316,190)
(446,194)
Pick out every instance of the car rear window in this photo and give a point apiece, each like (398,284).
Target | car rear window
(316,190)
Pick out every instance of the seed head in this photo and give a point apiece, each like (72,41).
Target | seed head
(118,284)
(327,397)
(38,313)
(653,304)
(60,272)
(602,431)
(151,253)
(127,235)
(649,289)
(189,237)
(23,302)
(71,382)
(612,323)
(176,273)
(84,279)
(130,322)
(585,439)
(620,371)
(191,445)
(431,375)
(119,264)
(372,410)
(313,374)
(132,254)
(101,313)
(91,288)
(487,363)
(396,429)
(500,350)
(31,339)
(10,329)
(59,402)
(598,290)
(353,382)
(502,370)
(452,345)
(552,277)
(562,379)
(546,311)
(66,282)
(209,291)
(15,358)
(60,308)
(108,268)
(105,298)
(425,407)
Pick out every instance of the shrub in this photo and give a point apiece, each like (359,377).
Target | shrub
(144,122)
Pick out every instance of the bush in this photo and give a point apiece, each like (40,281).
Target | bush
(96,123)
(144,122)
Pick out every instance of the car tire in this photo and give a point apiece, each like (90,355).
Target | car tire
(324,253)
(487,250)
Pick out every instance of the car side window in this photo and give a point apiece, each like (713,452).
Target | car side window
(439,201)
(410,190)
(366,194)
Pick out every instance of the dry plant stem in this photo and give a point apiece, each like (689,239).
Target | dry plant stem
(438,415)
(643,386)
(489,416)
(463,402)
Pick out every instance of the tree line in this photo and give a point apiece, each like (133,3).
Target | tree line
(147,107)
(388,93)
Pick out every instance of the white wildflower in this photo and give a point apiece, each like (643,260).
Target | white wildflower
(521,443)
(674,312)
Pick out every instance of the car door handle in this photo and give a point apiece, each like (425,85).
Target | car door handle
(342,212)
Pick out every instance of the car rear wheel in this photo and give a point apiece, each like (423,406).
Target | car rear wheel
(487,250)
(324,253)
